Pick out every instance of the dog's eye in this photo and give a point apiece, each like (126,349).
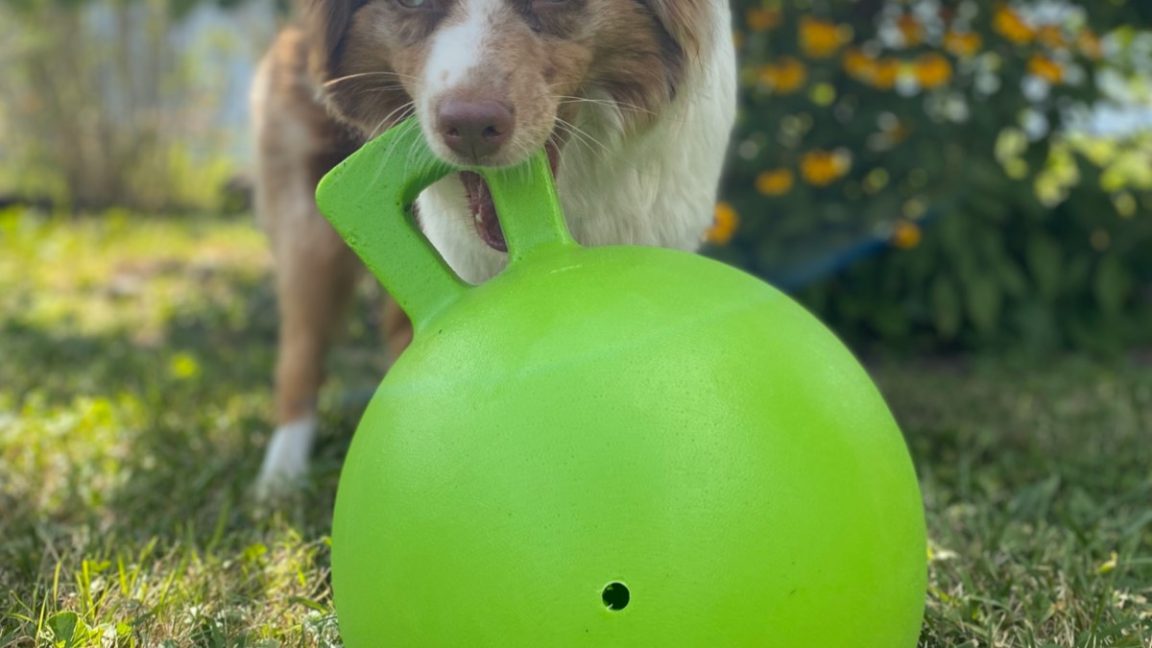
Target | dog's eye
(415,4)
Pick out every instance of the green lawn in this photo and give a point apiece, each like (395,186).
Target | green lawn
(135,357)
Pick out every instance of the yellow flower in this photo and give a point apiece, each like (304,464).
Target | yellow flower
(963,44)
(776,182)
(1010,25)
(820,38)
(906,235)
(911,30)
(887,71)
(880,74)
(760,19)
(1051,36)
(724,225)
(1046,69)
(1089,45)
(822,168)
(933,71)
(858,65)
(784,76)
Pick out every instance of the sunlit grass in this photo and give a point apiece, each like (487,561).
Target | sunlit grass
(135,362)
(134,390)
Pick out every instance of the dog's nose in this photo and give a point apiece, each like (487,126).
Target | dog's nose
(475,129)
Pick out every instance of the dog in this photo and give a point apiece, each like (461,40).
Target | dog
(634,100)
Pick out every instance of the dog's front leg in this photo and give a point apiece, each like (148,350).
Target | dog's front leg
(315,278)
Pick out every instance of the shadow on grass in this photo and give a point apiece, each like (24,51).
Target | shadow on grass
(200,394)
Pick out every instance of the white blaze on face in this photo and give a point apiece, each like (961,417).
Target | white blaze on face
(458,49)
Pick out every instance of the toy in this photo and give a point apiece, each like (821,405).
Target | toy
(609,447)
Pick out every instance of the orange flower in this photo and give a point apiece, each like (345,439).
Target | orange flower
(1089,45)
(784,76)
(911,29)
(963,44)
(822,168)
(776,182)
(880,74)
(1051,36)
(906,235)
(1046,69)
(1010,25)
(858,65)
(886,73)
(760,19)
(820,38)
(933,71)
(724,225)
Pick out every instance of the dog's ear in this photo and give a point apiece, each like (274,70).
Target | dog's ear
(687,22)
(326,23)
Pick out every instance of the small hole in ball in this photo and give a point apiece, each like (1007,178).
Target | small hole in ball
(616,596)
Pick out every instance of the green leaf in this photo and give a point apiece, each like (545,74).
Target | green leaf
(983,298)
(1011,277)
(1037,326)
(1111,285)
(63,626)
(308,603)
(946,307)
(1044,258)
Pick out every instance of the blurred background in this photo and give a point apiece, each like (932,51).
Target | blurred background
(961,189)
(926,175)
(950,175)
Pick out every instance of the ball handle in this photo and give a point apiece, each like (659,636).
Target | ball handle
(368,199)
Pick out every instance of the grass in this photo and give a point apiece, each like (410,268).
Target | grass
(135,357)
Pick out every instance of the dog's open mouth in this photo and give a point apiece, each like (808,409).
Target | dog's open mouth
(484,210)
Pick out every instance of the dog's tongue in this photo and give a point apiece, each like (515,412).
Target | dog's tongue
(484,210)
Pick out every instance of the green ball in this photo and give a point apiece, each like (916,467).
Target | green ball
(626,447)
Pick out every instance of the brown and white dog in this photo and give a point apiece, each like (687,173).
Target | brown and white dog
(634,100)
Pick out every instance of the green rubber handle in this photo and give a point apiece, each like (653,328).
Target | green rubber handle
(368,199)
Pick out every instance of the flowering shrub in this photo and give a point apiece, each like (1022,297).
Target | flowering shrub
(940,131)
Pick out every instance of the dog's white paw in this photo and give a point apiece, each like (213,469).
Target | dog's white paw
(286,460)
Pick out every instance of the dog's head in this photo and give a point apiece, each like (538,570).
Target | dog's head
(492,81)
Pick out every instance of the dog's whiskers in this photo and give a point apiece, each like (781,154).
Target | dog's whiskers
(400,114)
(404,111)
(608,103)
(583,137)
(392,150)
(361,75)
